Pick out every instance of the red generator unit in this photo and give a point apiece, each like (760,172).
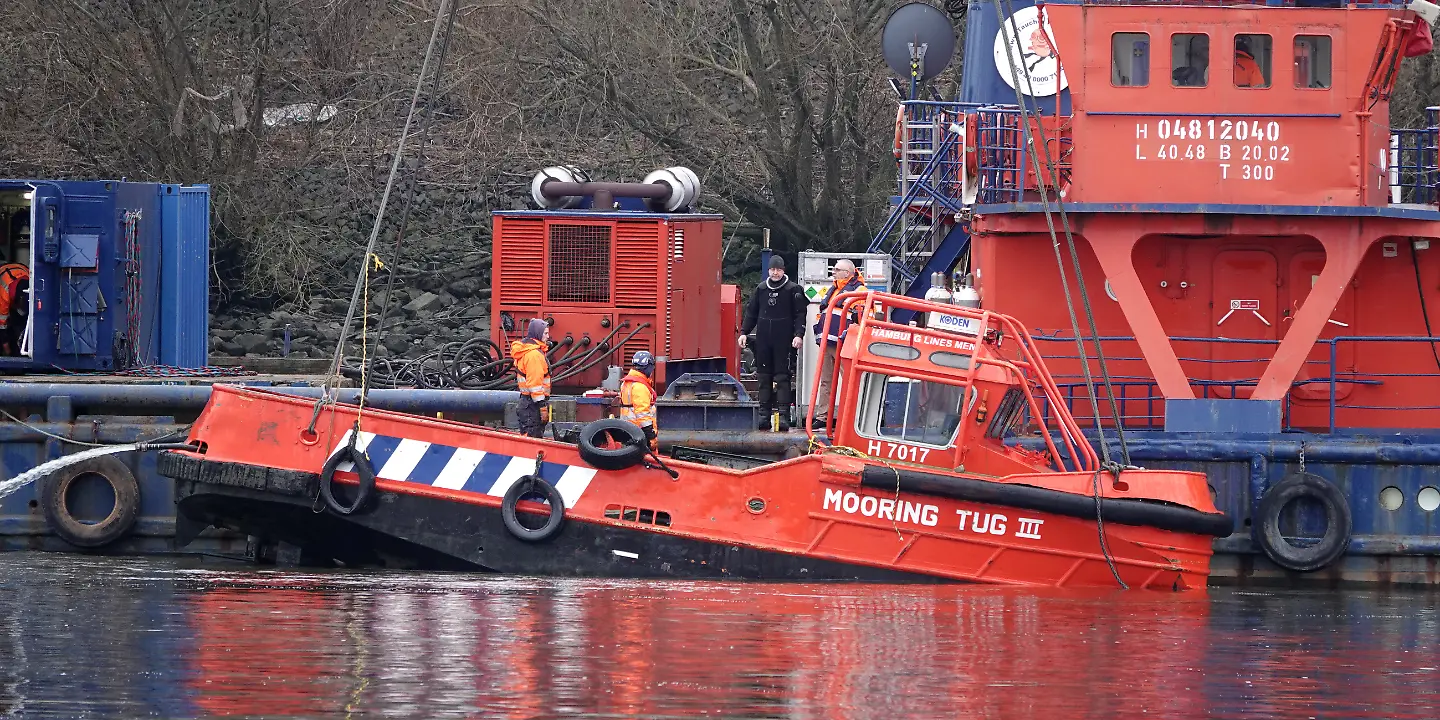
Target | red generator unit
(611,283)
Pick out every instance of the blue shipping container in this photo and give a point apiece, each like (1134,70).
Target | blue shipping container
(118,274)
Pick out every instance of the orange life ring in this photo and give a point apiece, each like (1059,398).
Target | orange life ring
(899,130)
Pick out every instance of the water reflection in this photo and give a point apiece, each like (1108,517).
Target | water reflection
(87,637)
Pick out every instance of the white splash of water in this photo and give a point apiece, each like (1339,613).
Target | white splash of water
(8,487)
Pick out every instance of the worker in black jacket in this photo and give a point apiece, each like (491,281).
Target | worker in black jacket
(776,314)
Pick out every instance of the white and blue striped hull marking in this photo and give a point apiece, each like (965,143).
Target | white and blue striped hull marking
(464,469)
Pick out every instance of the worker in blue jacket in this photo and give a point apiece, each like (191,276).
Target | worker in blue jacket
(847,279)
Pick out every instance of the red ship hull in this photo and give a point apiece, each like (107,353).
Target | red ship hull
(821,517)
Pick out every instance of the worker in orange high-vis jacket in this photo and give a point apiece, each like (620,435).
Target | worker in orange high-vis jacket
(847,279)
(1247,71)
(532,371)
(637,397)
(13,277)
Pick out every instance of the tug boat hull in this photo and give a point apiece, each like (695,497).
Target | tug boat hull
(441,488)
(428,533)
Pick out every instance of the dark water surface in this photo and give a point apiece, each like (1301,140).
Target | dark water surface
(97,637)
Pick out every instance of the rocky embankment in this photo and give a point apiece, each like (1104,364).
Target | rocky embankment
(442,278)
(429,312)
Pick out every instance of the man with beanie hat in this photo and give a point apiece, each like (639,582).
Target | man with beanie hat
(776,314)
(532,374)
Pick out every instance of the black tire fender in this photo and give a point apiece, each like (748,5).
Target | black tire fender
(631,438)
(532,485)
(71,529)
(363,468)
(1338,523)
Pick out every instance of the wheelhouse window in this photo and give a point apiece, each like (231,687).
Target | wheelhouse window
(901,409)
(1130,59)
(1312,62)
(1009,415)
(1252,61)
(1189,60)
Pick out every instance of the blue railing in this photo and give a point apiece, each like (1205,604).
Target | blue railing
(923,132)
(905,245)
(1141,404)
(1414,170)
(1000,156)
(1003,163)
(930,182)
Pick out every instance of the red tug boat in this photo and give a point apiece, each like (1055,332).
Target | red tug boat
(918,482)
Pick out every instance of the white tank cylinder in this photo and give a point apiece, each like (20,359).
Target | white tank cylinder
(937,291)
(965,295)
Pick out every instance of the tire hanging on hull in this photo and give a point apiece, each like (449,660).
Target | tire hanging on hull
(1338,523)
(527,486)
(55,488)
(363,468)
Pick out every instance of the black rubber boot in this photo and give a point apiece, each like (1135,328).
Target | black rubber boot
(767,398)
(783,398)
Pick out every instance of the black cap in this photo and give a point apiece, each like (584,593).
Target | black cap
(777,262)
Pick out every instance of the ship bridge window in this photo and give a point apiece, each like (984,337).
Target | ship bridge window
(901,409)
(1130,59)
(1189,59)
(1252,61)
(1312,62)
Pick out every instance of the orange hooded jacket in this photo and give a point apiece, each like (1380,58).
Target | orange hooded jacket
(1247,71)
(532,370)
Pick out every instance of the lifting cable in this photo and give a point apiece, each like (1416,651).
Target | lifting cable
(425,124)
(332,381)
(1054,183)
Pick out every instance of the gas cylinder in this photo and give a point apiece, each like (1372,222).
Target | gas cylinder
(936,293)
(965,295)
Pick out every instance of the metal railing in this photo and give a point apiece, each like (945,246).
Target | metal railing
(924,129)
(1004,172)
(1414,164)
(930,182)
(1141,405)
(907,243)
(1000,160)
(1004,169)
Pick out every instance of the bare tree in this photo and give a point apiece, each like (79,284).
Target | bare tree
(779,103)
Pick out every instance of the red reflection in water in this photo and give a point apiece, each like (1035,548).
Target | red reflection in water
(266,652)
(536,649)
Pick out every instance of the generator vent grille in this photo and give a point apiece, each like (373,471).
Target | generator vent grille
(579,263)
(637,265)
(522,260)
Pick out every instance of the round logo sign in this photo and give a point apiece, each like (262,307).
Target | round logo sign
(1030,49)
